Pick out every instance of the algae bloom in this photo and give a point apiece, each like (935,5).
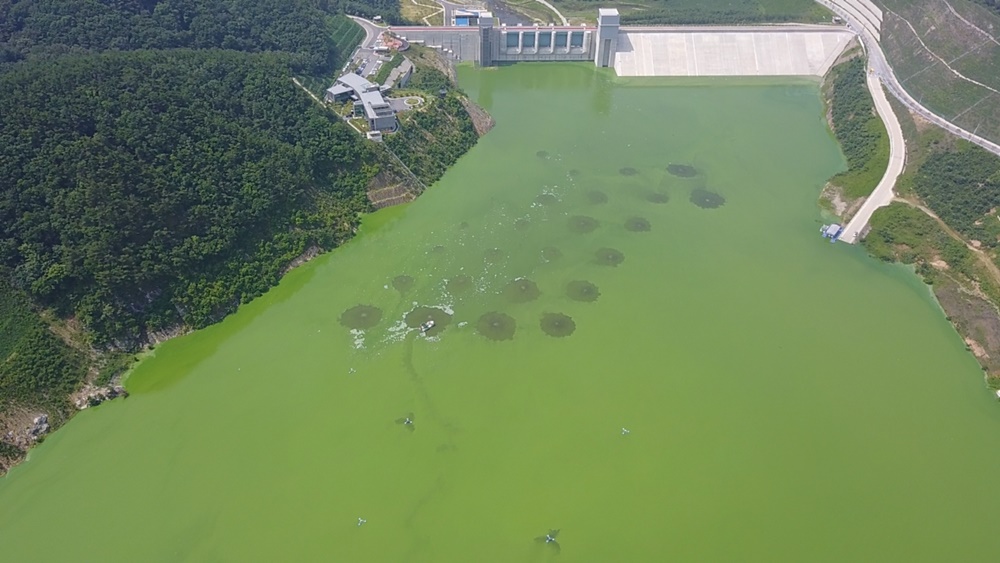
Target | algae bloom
(551,253)
(581,290)
(557,324)
(521,290)
(402,283)
(546,199)
(459,284)
(361,317)
(597,197)
(657,197)
(494,255)
(583,224)
(496,326)
(637,224)
(706,199)
(422,314)
(609,257)
(682,170)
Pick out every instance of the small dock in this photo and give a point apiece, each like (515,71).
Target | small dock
(831,232)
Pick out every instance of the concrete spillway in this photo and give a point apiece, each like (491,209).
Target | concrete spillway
(741,51)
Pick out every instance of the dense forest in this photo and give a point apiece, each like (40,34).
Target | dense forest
(161,188)
(157,168)
(963,187)
(45,28)
(859,130)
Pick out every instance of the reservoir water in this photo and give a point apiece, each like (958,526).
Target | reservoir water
(662,365)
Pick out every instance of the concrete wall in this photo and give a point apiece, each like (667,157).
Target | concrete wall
(776,50)
(524,44)
(766,51)
(462,43)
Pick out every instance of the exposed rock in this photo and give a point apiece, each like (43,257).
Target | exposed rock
(91,396)
(39,426)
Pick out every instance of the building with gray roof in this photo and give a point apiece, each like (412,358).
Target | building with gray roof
(368,101)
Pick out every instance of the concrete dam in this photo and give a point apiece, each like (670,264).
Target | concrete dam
(776,50)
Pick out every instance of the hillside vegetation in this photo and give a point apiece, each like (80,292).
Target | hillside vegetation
(673,12)
(433,137)
(164,188)
(946,226)
(860,132)
(36,367)
(46,28)
(157,168)
(946,53)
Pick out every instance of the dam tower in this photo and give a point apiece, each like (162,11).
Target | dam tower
(607,37)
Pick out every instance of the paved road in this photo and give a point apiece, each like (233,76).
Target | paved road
(882,194)
(372,31)
(449,9)
(865,19)
(553,8)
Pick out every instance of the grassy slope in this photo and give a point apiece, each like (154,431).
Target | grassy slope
(698,11)
(346,35)
(970,52)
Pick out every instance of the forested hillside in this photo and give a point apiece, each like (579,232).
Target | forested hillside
(859,130)
(161,188)
(53,27)
(431,139)
(157,168)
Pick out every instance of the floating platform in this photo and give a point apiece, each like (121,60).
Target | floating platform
(831,232)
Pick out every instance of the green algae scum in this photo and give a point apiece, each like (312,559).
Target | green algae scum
(784,399)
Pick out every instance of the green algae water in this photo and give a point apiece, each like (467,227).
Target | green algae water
(659,364)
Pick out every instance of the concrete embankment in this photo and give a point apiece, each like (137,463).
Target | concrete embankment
(778,50)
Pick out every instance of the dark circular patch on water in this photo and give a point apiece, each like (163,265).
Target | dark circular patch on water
(706,199)
(628,171)
(402,283)
(522,224)
(521,290)
(496,326)
(609,257)
(573,173)
(557,324)
(421,314)
(459,284)
(550,253)
(637,224)
(657,197)
(546,199)
(438,249)
(582,291)
(542,154)
(361,317)
(682,170)
(597,197)
(494,255)
(582,224)
(463,225)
